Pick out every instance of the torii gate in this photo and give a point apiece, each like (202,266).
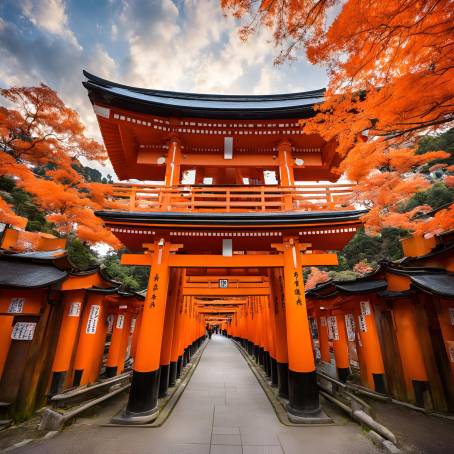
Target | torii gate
(161,257)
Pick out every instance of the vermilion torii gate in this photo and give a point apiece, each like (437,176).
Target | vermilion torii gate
(302,383)
(227,247)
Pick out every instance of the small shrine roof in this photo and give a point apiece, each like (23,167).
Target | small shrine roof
(29,275)
(441,284)
(168,103)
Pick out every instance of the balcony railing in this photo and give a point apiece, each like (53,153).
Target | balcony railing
(141,197)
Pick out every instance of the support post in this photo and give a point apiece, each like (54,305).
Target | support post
(302,378)
(142,405)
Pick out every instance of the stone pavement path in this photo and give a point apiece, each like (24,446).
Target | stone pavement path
(223,411)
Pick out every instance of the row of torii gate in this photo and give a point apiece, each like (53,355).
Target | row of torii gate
(266,312)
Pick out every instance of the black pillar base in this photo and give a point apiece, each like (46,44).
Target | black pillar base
(56,385)
(261,356)
(343,373)
(303,394)
(77,377)
(267,363)
(143,397)
(379,382)
(282,379)
(274,377)
(164,380)
(111,371)
(173,373)
(179,366)
(256,353)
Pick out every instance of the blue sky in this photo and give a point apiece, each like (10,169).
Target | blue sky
(180,45)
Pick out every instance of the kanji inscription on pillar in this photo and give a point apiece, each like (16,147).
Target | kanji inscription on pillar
(23,331)
(16,305)
(297,290)
(93,317)
(154,289)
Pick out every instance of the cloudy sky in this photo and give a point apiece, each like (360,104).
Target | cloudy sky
(180,45)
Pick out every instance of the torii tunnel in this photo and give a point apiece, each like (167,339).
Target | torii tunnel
(228,248)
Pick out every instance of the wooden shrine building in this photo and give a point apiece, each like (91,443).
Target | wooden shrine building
(224,225)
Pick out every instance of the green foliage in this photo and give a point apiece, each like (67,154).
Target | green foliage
(444,141)
(80,254)
(385,246)
(23,205)
(132,277)
(436,196)
(345,275)
(91,175)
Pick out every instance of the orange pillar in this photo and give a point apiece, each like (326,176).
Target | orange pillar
(336,326)
(445,312)
(143,395)
(175,356)
(135,329)
(410,350)
(370,346)
(6,328)
(169,322)
(286,177)
(91,340)
(323,336)
(277,287)
(302,378)
(172,176)
(118,344)
(73,301)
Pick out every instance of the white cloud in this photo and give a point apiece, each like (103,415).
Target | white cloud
(50,16)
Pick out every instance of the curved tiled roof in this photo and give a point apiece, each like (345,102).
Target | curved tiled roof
(168,103)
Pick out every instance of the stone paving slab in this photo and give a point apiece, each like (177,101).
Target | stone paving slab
(222,411)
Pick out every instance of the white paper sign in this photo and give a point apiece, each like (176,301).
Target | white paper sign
(451,315)
(350,326)
(133,325)
(23,331)
(323,321)
(120,321)
(223,283)
(93,319)
(333,333)
(365,307)
(16,305)
(362,323)
(74,310)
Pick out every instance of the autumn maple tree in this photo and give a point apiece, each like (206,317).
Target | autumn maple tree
(390,68)
(41,141)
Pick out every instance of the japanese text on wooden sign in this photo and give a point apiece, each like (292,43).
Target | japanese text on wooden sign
(93,317)
(23,331)
(365,307)
(16,305)
(74,309)
(362,323)
(350,326)
(333,332)
(120,321)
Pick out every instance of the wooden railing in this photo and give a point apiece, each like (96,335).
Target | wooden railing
(141,197)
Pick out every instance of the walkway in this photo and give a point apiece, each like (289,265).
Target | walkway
(222,411)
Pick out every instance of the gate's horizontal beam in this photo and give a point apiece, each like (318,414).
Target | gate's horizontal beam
(219,261)
(219,292)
